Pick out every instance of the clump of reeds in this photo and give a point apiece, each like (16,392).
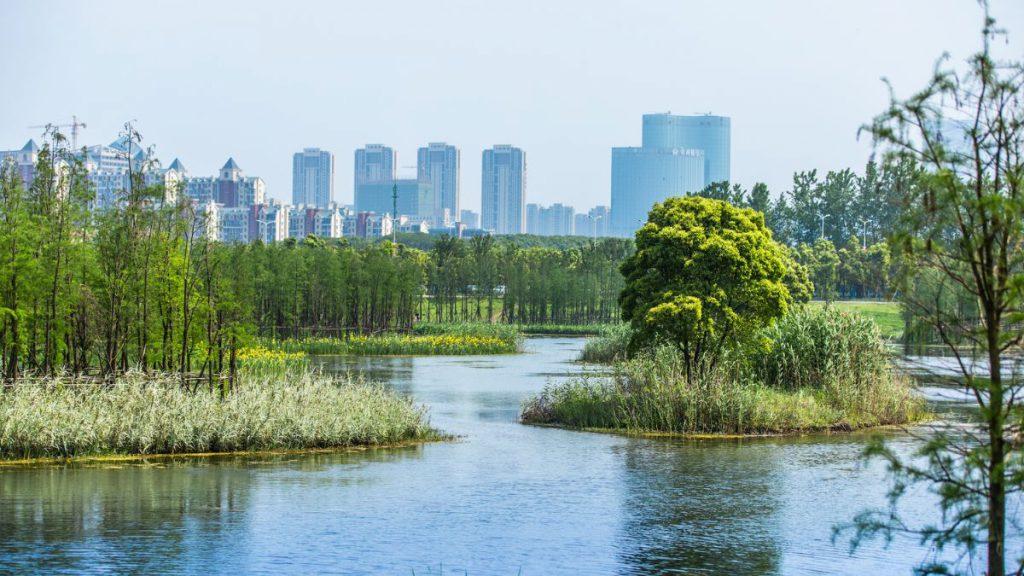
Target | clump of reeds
(610,346)
(269,408)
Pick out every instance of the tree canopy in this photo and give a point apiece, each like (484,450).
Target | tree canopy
(704,273)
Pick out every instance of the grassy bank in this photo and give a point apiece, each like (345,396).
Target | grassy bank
(814,370)
(138,414)
(426,339)
(886,315)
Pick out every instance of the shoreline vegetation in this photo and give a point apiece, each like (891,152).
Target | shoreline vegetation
(815,370)
(274,405)
(433,339)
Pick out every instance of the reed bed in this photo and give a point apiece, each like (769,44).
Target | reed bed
(568,329)
(269,409)
(814,370)
(466,329)
(400,345)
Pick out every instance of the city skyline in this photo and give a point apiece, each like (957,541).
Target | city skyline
(562,97)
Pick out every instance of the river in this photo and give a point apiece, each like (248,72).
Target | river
(504,499)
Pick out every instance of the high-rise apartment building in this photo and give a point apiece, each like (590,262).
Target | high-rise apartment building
(679,155)
(532,219)
(503,189)
(374,176)
(557,220)
(594,224)
(438,165)
(313,178)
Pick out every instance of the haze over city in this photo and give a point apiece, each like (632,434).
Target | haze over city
(566,82)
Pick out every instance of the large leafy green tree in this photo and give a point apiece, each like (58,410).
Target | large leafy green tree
(704,274)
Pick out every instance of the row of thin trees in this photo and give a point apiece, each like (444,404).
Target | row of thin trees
(480,280)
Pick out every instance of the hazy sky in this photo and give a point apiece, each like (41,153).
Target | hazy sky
(565,81)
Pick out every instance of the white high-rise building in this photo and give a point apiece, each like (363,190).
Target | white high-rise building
(313,178)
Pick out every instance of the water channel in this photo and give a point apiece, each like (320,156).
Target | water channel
(504,499)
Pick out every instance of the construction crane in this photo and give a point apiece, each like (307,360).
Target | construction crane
(75,125)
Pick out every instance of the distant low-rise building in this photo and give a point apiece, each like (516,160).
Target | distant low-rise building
(269,222)
(311,221)
(366,225)
(469,218)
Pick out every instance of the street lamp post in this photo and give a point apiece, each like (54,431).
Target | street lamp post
(394,219)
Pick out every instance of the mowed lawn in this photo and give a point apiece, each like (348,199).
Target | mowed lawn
(886,314)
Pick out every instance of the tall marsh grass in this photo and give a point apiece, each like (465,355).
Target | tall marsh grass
(814,370)
(610,346)
(139,414)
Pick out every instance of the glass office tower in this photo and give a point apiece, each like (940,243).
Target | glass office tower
(643,176)
(374,176)
(708,133)
(679,155)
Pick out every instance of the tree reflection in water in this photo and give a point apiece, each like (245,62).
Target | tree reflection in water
(707,508)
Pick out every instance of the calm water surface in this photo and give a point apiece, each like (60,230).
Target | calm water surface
(505,499)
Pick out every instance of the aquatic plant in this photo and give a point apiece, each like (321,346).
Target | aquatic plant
(145,414)
(610,346)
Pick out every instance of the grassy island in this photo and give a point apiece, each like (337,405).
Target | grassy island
(271,407)
(721,340)
(814,370)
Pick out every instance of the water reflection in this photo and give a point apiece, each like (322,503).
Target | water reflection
(701,508)
(157,516)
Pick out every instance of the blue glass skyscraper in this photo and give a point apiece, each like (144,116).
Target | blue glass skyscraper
(706,132)
(679,155)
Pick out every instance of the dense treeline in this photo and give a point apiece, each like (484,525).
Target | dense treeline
(142,285)
(482,279)
(837,226)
